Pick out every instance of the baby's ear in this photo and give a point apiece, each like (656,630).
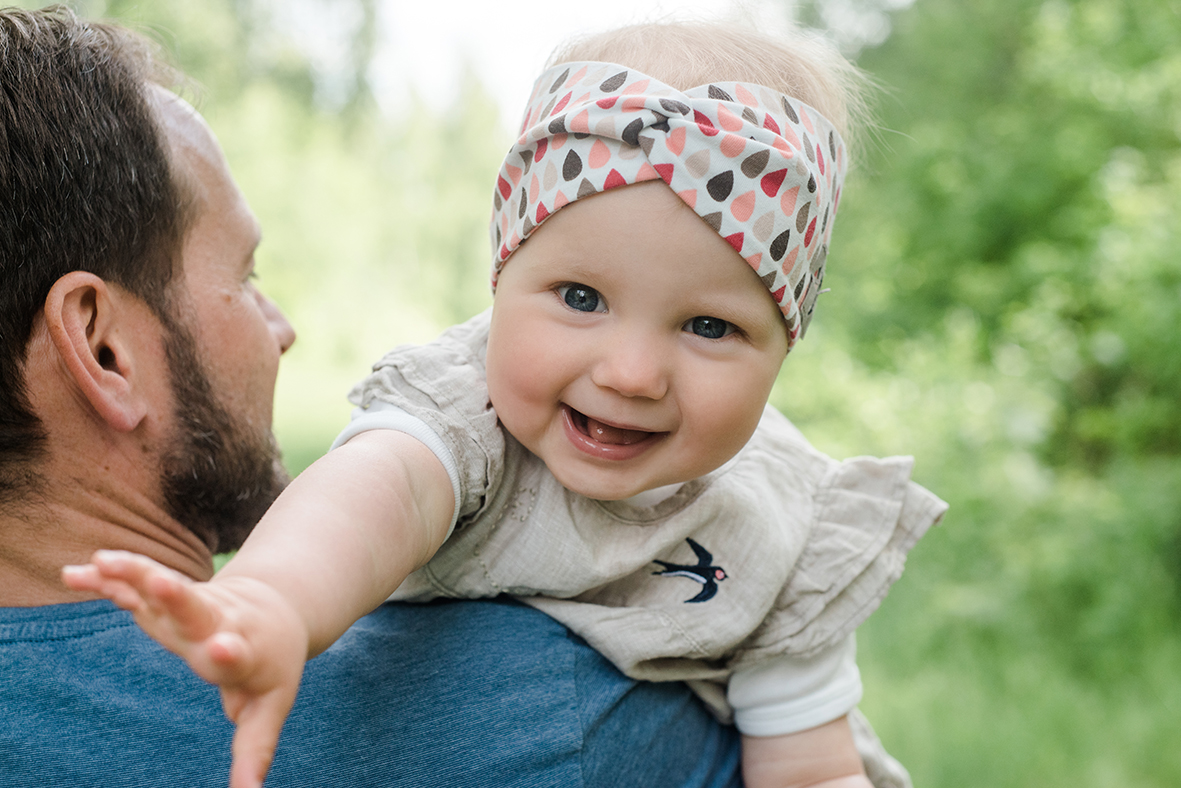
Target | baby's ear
(96,331)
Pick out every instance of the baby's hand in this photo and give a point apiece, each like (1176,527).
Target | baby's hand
(820,757)
(235,632)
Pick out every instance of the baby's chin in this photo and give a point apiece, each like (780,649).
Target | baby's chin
(609,489)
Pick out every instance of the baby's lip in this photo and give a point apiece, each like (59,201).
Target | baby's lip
(608,440)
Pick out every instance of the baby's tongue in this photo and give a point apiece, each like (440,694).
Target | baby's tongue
(605,433)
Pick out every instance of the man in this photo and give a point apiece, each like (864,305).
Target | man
(137,366)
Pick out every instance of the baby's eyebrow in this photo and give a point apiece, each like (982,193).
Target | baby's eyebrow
(574,264)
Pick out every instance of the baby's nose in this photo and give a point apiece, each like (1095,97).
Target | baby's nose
(634,368)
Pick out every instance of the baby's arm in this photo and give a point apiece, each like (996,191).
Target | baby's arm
(348,530)
(822,757)
(793,714)
(333,547)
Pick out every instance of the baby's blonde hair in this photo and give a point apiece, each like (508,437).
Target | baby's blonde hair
(688,54)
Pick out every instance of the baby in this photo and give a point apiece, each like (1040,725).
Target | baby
(599,444)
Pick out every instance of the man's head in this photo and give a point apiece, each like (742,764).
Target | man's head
(87,187)
(117,195)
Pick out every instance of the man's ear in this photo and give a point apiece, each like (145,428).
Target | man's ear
(96,330)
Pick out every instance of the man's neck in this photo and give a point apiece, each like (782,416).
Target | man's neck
(40,538)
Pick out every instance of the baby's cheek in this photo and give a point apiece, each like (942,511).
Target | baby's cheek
(511,394)
(726,424)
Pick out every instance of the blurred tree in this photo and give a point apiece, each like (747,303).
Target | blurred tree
(1007,305)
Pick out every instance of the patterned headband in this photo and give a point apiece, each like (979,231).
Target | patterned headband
(762,169)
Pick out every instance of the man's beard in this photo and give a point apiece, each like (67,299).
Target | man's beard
(219,475)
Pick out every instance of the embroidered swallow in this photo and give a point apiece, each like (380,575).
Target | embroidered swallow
(704,572)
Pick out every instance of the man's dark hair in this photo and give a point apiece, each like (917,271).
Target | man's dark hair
(85,184)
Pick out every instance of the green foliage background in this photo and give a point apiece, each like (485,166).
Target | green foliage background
(1006,284)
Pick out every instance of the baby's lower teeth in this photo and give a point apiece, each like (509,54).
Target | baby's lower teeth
(605,433)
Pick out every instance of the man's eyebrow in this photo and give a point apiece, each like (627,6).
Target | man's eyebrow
(248,261)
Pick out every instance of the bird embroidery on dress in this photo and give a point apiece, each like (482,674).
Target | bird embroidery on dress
(704,572)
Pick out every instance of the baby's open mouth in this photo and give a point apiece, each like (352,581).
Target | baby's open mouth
(605,433)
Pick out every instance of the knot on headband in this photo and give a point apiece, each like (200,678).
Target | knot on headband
(762,169)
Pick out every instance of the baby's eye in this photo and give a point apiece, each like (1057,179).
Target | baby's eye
(582,298)
(709,327)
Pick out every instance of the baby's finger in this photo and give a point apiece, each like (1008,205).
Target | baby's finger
(230,659)
(259,721)
(193,615)
(82,577)
(250,764)
(131,568)
(87,578)
(158,586)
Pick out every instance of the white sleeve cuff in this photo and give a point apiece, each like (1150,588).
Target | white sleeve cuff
(788,694)
(384,416)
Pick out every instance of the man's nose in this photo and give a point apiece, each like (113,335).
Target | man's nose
(634,366)
(281,329)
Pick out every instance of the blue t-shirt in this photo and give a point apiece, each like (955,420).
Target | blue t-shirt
(456,693)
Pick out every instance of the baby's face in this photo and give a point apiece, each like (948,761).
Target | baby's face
(631,346)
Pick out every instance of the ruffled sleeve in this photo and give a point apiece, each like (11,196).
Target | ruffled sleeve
(444,384)
(867,515)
